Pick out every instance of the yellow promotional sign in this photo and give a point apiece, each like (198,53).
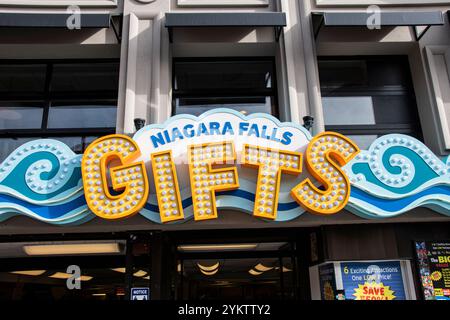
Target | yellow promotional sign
(373,291)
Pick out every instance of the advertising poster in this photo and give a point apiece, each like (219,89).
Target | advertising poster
(373,280)
(433,260)
(327,282)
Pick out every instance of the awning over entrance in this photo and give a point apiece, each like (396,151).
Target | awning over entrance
(387,19)
(52,20)
(276,20)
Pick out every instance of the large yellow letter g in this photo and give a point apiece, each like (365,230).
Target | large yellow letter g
(127,191)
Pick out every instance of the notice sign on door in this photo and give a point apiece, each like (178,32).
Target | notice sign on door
(140,294)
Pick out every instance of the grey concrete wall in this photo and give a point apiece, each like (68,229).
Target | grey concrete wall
(61,43)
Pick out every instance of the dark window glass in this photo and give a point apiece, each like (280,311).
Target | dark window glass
(21,115)
(24,78)
(77,143)
(364,141)
(86,77)
(334,74)
(8,145)
(222,75)
(368,97)
(246,105)
(82,115)
(245,86)
(70,101)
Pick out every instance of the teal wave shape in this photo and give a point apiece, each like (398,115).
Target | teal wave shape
(16,179)
(425,172)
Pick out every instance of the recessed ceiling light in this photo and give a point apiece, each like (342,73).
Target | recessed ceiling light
(222,283)
(140,273)
(208,268)
(29,272)
(254,272)
(262,268)
(217,247)
(206,273)
(71,249)
(62,275)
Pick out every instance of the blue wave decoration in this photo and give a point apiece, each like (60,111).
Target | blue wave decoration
(398,173)
(42,180)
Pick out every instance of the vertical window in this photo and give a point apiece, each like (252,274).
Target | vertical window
(247,86)
(71,101)
(365,98)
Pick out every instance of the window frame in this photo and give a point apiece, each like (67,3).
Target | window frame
(360,3)
(438,103)
(46,97)
(223,3)
(273,92)
(60,3)
(399,90)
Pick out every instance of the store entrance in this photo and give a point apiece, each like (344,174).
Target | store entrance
(243,271)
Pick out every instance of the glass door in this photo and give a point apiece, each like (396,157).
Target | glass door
(244,271)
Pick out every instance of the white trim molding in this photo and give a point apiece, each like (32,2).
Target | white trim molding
(145,71)
(223,3)
(59,3)
(439,71)
(332,3)
(140,69)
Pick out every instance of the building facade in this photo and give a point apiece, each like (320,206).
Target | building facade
(74,71)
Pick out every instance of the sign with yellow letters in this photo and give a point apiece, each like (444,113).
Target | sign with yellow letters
(209,156)
(191,167)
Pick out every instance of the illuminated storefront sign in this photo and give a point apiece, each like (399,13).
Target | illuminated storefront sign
(189,167)
(257,149)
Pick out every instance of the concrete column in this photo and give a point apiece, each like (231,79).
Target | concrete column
(302,79)
(144,75)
